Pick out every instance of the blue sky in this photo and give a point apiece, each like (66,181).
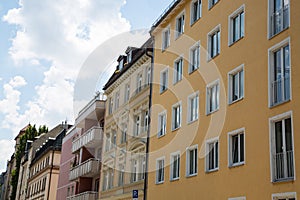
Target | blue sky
(43,46)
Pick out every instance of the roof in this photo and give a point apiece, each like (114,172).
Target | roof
(22,131)
(137,54)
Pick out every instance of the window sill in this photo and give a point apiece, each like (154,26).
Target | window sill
(192,71)
(210,7)
(192,121)
(236,165)
(194,22)
(163,91)
(160,136)
(274,35)
(280,103)
(176,82)
(191,175)
(235,101)
(178,35)
(283,180)
(164,49)
(212,170)
(174,179)
(234,42)
(175,129)
(159,183)
(211,58)
(212,112)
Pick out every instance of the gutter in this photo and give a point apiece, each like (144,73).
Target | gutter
(148,132)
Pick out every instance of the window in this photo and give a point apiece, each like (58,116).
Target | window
(162,123)
(193,107)
(211,3)
(175,166)
(176,116)
(236,144)
(124,134)
(143,170)
(192,161)
(110,105)
(135,172)
(178,65)
(146,120)
(117,100)
(196,7)
(238,198)
(282,148)
(214,42)
(139,83)
(237,25)
(129,56)
(111,178)
(279,69)
(166,38)
(163,80)
(279,14)
(236,84)
(127,92)
(160,171)
(114,138)
(194,57)
(179,25)
(212,155)
(137,125)
(121,64)
(107,143)
(148,75)
(212,99)
(284,196)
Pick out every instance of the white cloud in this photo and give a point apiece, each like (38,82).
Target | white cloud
(6,149)
(17,81)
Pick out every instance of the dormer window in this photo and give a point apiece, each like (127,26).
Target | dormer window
(121,63)
(129,57)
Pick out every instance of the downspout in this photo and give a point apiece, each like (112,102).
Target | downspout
(50,173)
(148,132)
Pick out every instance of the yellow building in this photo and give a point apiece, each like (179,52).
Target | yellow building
(225,101)
(126,125)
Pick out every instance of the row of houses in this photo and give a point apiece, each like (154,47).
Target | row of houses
(206,108)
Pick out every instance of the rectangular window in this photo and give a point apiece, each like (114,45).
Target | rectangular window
(211,3)
(117,99)
(236,84)
(146,120)
(114,138)
(212,155)
(139,83)
(148,75)
(135,172)
(284,196)
(143,170)
(164,80)
(110,105)
(279,68)
(127,92)
(192,161)
(237,25)
(196,7)
(194,57)
(166,38)
(193,107)
(178,65)
(162,124)
(282,148)
(137,125)
(176,116)
(175,166)
(279,15)
(214,42)
(124,134)
(212,99)
(179,25)
(236,147)
(160,172)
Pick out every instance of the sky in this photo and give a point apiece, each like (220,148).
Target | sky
(44,47)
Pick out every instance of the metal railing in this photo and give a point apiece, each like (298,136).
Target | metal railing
(280,20)
(92,135)
(280,90)
(85,169)
(283,165)
(84,196)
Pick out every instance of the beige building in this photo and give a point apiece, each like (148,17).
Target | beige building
(126,125)
(226,101)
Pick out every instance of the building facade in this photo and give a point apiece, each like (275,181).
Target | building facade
(126,125)
(85,145)
(224,102)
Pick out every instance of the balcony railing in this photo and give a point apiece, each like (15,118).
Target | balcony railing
(84,196)
(89,139)
(283,166)
(280,20)
(280,91)
(89,168)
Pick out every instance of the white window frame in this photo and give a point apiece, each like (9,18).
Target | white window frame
(177,75)
(271,63)
(148,75)
(237,198)
(139,84)
(159,127)
(271,32)
(166,41)
(286,195)
(146,120)
(195,47)
(117,100)
(137,125)
(230,159)
(135,170)
(157,181)
(232,73)
(272,122)
(190,118)
(208,87)
(231,18)
(172,159)
(166,70)
(127,92)
(199,11)
(177,105)
(212,3)
(209,42)
(179,33)
(207,151)
(188,150)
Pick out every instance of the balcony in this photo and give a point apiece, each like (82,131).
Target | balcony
(88,169)
(279,20)
(90,139)
(283,166)
(84,196)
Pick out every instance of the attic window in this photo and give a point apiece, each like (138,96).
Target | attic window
(130,56)
(121,63)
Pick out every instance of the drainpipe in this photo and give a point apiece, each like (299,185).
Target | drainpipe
(148,132)
(50,173)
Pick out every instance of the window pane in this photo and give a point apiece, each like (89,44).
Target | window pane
(278,137)
(235,145)
(288,135)
(242,151)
